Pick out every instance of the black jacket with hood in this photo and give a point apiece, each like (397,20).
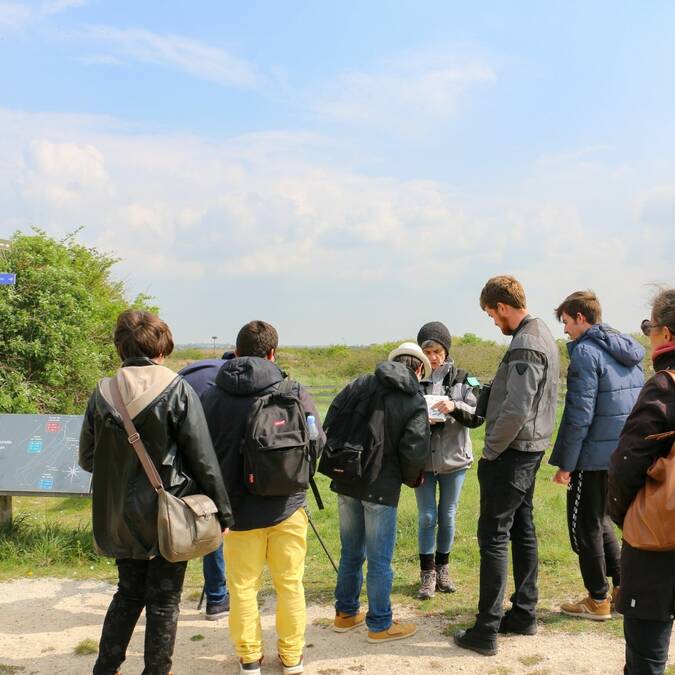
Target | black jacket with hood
(406,439)
(647,577)
(169,417)
(239,383)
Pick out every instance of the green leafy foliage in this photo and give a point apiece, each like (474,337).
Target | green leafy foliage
(56,323)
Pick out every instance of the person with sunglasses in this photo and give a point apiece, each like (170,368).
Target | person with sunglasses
(647,595)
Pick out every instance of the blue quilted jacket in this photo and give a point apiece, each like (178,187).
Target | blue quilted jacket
(603,382)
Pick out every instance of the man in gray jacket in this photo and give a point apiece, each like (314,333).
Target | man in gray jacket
(520,420)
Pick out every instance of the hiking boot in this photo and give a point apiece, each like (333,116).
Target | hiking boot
(345,622)
(509,625)
(252,668)
(217,611)
(397,631)
(428,587)
(596,610)
(468,639)
(299,667)
(443,582)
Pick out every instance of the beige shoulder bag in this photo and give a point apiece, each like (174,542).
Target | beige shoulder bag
(187,527)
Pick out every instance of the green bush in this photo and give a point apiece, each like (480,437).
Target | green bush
(56,323)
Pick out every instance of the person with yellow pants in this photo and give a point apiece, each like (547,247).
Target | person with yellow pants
(283,547)
(266,529)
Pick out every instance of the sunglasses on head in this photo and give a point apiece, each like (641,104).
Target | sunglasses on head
(646,326)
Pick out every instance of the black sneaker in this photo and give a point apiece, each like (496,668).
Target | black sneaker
(217,611)
(252,668)
(467,639)
(509,625)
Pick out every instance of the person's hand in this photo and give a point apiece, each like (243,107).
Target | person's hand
(562,477)
(446,407)
(226,531)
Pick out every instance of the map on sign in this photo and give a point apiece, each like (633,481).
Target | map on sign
(38,453)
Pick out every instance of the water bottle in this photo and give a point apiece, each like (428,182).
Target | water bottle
(312,428)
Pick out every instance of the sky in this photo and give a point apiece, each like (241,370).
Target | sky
(347,171)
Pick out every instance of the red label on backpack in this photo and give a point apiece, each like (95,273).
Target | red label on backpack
(280,423)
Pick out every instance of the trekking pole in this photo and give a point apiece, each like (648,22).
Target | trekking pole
(201,600)
(318,536)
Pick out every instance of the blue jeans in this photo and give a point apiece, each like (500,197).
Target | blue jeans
(367,531)
(214,577)
(429,514)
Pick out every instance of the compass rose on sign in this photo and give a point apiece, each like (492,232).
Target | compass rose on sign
(73,472)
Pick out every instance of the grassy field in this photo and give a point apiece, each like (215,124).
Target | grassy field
(52,536)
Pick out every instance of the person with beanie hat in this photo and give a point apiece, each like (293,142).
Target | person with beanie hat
(448,459)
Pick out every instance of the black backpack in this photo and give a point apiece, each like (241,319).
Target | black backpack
(276,444)
(355,436)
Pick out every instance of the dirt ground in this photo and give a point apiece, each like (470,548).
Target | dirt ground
(43,620)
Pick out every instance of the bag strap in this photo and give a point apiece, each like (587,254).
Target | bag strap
(134,437)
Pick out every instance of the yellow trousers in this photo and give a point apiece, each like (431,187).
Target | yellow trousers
(283,546)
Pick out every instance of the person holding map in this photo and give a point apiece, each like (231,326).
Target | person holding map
(452,412)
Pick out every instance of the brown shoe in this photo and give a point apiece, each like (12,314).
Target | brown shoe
(397,631)
(614,597)
(345,622)
(596,610)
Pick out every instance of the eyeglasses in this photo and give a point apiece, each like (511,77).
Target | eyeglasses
(646,326)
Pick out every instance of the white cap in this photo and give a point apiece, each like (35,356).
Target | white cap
(412,349)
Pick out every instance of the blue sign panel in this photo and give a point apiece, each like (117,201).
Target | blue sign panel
(7,279)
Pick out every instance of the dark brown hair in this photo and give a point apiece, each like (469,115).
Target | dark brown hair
(505,289)
(257,338)
(411,362)
(663,309)
(585,303)
(142,334)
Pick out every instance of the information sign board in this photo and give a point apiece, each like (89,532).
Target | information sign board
(39,453)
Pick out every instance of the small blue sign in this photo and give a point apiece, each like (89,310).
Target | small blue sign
(34,446)
(7,279)
(46,484)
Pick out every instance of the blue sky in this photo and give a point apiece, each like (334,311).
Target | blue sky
(346,171)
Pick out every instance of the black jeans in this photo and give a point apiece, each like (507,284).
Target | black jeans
(156,585)
(506,490)
(591,532)
(646,645)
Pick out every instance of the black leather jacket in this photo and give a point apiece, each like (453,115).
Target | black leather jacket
(176,436)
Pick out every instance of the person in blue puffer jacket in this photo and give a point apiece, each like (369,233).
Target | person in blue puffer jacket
(604,380)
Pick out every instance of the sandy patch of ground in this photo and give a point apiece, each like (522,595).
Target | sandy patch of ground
(42,620)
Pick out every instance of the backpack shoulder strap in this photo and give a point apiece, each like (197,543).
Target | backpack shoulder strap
(460,376)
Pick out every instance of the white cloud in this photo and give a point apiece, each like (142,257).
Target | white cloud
(409,93)
(58,6)
(13,14)
(17,14)
(261,210)
(193,57)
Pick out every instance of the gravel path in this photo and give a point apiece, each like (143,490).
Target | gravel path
(42,620)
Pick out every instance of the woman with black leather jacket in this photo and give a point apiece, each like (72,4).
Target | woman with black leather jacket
(169,417)
(647,594)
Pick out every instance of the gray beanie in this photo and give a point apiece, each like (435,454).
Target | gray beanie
(436,331)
